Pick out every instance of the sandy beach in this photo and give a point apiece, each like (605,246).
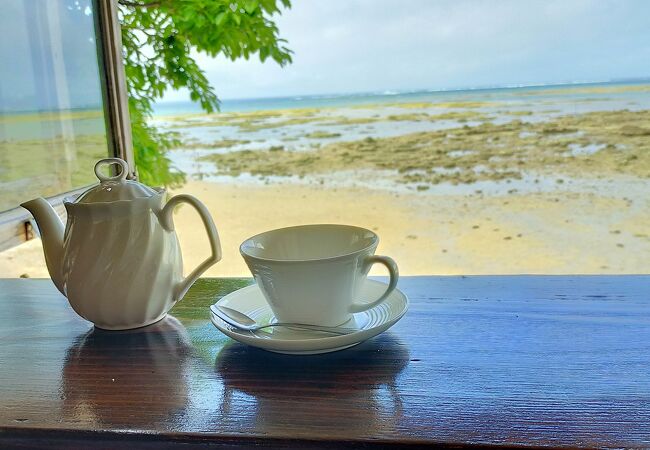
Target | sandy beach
(545,232)
(553,181)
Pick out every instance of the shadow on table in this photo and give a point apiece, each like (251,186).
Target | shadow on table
(352,389)
(127,378)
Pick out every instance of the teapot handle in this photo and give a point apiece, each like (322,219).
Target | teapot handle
(167,221)
(121,176)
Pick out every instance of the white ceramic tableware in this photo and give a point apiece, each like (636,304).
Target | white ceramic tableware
(370,323)
(118,260)
(313,274)
(243,322)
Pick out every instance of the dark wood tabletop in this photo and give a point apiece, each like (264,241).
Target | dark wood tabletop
(530,361)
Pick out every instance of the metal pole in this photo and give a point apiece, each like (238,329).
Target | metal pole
(116,107)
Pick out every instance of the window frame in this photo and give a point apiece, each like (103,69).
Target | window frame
(16,225)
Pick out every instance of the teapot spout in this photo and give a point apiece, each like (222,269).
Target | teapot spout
(51,229)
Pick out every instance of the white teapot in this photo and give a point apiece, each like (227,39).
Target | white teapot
(118,261)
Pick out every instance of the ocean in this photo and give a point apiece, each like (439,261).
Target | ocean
(388,96)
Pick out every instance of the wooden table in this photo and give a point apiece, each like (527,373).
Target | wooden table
(503,360)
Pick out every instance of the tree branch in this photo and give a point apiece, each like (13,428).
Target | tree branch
(139,5)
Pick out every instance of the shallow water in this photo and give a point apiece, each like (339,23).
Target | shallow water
(323,128)
(522,95)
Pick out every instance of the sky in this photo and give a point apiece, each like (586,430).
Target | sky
(343,46)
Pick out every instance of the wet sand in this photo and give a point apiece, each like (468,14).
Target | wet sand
(596,143)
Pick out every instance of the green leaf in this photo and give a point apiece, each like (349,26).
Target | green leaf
(251,5)
(218,20)
(174,30)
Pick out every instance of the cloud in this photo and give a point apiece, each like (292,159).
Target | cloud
(376,45)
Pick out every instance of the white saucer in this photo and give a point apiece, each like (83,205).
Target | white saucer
(251,301)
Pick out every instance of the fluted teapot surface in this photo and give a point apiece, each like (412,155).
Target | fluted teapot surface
(118,260)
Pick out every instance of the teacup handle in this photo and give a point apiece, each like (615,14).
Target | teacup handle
(167,220)
(393,272)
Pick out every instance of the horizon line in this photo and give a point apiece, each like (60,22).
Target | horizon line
(388,92)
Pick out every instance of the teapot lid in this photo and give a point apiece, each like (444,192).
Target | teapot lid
(115,188)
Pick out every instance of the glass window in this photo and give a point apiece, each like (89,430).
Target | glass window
(51,118)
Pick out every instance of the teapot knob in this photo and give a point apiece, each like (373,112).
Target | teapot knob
(121,176)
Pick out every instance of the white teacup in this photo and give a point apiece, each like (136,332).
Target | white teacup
(314,273)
